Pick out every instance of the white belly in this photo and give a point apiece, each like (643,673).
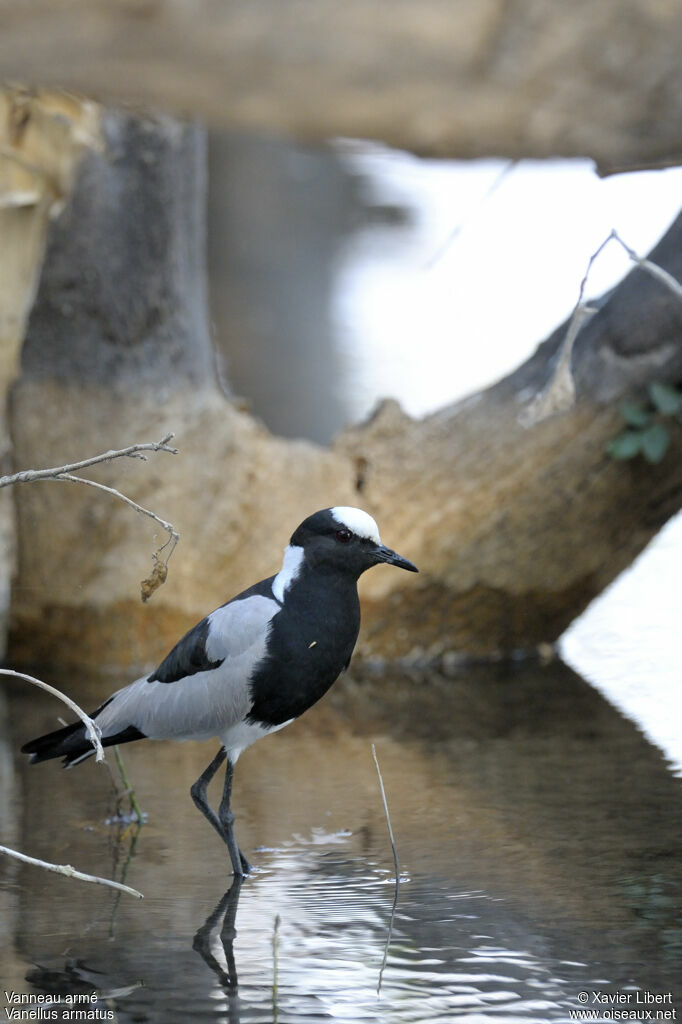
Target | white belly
(241,735)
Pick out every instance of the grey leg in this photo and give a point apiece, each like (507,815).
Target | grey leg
(240,864)
(223,824)
(199,788)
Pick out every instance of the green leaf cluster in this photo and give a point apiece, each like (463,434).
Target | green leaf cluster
(646,434)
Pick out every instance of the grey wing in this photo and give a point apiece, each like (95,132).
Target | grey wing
(202,687)
(187,657)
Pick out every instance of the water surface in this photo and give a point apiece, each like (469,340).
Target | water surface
(537,833)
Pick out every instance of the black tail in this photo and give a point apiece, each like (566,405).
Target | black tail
(73,743)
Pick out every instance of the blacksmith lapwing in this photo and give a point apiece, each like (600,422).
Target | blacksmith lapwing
(253,665)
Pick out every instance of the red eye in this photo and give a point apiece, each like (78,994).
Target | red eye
(343,535)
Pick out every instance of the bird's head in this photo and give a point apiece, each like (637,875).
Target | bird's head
(346,540)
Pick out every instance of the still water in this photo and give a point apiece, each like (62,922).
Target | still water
(537,832)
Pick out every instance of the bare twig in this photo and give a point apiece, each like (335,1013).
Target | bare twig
(124,870)
(397,872)
(94,734)
(66,869)
(27,476)
(559,395)
(138,814)
(134,451)
(458,228)
(92,728)
(651,268)
(388,819)
(275,967)
(158,575)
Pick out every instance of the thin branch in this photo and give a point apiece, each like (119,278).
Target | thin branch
(559,394)
(275,968)
(651,268)
(27,476)
(458,228)
(138,814)
(388,819)
(92,728)
(134,451)
(173,535)
(66,869)
(94,734)
(124,871)
(397,872)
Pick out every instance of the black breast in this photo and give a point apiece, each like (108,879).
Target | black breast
(311,642)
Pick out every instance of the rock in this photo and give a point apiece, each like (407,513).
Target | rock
(514,528)
(118,351)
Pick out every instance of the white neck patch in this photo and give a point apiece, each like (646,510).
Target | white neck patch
(291,567)
(357,521)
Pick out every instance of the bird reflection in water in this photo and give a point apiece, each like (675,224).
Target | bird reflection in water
(222,923)
(226,911)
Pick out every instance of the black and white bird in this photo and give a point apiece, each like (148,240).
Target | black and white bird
(253,665)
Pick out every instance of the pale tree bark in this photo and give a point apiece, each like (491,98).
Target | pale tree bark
(42,140)
(515,528)
(519,78)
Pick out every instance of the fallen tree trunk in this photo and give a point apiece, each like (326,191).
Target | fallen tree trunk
(515,528)
(516,78)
